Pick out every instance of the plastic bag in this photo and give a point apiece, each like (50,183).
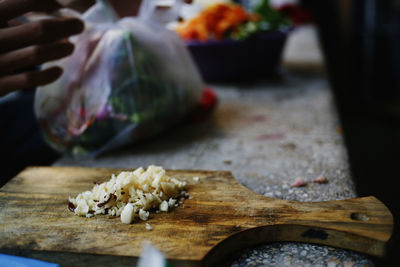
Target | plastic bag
(127,79)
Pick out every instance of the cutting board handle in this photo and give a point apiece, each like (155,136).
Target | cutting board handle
(360,224)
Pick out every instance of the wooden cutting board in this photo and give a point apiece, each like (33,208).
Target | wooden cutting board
(221,217)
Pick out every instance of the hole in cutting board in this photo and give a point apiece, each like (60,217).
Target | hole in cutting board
(359,216)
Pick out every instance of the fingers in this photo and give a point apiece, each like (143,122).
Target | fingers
(33,55)
(38,32)
(10,9)
(28,80)
(32,44)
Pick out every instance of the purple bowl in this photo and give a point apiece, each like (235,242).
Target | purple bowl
(230,60)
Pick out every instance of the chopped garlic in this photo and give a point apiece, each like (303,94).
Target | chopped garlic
(164,206)
(127,214)
(149,227)
(144,215)
(82,209)
(171,202)
(129,193)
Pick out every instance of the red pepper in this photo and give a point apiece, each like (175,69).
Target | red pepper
(208,102)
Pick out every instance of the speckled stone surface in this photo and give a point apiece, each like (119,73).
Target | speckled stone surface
(289,254)
(267,134)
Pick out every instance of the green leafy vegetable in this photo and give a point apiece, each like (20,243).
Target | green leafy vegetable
(271,20)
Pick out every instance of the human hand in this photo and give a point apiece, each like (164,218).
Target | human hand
(32,43)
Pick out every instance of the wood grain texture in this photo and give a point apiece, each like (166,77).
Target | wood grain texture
(222,217)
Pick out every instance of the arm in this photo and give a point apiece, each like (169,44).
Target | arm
(31,44)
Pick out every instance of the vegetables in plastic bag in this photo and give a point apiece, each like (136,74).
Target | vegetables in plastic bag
(127,79)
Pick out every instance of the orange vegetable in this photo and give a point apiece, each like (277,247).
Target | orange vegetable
(215,22)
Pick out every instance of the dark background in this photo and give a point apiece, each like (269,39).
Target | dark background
(361,44)
(21,143)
